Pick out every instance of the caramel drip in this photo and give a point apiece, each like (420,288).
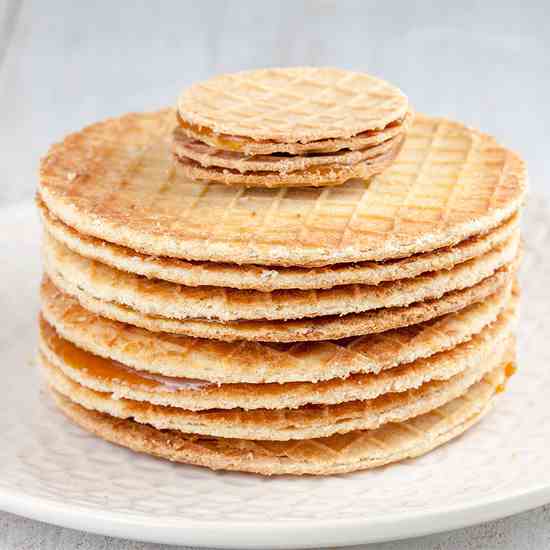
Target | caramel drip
(109,370)
(509,370)
(220,141)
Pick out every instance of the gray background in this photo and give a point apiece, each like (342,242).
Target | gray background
(64,64)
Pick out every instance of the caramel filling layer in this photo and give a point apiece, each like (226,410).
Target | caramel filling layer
(238,143)
(109,370)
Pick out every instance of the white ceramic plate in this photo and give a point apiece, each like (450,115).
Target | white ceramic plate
(53,471)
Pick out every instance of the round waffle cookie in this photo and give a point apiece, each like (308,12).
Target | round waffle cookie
(300,330)
(108,376)
(253,362)
(164,299)
(448,183)
(356,450)
(292,105)
(256,277)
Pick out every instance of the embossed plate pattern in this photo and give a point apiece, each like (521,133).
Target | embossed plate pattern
(53,471)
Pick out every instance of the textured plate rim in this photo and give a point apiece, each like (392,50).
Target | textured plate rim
(241,534)
(267,534)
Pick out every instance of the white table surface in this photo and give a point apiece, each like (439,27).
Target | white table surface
(64,64)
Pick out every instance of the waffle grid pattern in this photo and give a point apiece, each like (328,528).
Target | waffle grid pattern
(137,189)
(253,277)
(293,104)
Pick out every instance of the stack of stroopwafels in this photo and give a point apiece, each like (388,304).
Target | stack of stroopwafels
(302,330)
(289,127)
